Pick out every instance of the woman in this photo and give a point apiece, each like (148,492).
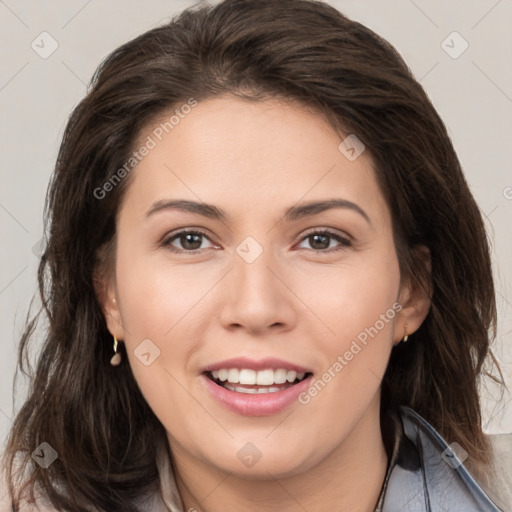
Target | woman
(267,282)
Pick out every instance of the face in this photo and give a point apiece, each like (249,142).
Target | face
(257,327)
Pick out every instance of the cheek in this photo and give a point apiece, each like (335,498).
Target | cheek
(359,306)
(160,319)
(159,297)
(162,314)
(350,299)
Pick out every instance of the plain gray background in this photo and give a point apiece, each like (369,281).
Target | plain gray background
(471,89)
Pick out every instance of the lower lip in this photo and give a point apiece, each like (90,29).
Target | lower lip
(264,404)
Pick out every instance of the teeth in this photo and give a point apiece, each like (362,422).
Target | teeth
(280,376)
(247,377)
(265,378)
(252,391)
(291,376)
(233,375)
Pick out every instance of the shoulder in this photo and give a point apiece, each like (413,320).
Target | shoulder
(438,471)
(502,450)
(6,505)
(499,486)
(150,502)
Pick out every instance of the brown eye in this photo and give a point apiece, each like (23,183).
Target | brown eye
(190,241)
(321,240)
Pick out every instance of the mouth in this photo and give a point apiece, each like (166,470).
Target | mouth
(255,387)
(248,381)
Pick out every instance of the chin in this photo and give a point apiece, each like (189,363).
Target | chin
(270,461)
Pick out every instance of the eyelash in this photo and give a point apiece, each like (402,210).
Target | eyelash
(345,242)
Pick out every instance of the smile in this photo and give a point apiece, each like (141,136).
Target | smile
(249,381)
(249,388)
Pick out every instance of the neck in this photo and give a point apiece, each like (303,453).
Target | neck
(349,479)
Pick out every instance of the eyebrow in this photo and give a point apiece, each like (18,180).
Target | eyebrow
(293,213)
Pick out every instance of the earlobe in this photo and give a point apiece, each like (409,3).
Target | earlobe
(106,294)
(411,317)
(415,298)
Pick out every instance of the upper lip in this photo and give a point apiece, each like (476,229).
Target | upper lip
(256,364)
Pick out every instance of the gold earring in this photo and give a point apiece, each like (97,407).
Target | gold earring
(406,337)
(116,358)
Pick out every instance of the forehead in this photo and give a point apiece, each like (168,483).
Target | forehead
(249,156)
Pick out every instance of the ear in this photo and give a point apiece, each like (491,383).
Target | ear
(415,299)
(106,292)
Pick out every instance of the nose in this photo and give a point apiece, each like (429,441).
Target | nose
(258,297)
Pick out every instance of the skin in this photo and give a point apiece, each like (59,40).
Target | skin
(299,300)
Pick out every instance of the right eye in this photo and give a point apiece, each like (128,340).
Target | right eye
(190,241)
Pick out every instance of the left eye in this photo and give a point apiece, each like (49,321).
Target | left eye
(322,240)
(190,241)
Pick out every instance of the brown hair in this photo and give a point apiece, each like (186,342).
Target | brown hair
(94,415)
